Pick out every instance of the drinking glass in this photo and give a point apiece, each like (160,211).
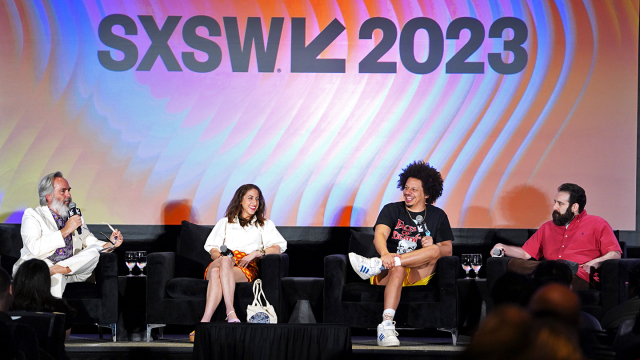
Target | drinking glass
(476,263)
(466,264)
(130,258)
(142,261)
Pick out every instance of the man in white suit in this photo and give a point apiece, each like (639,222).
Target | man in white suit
(49,234)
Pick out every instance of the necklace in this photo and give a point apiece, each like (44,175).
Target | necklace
(425,214)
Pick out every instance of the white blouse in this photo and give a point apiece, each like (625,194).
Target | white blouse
(246,239)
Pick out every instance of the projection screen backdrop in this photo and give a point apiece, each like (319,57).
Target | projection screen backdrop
(157,110)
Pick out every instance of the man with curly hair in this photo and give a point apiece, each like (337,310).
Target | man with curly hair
(410,236)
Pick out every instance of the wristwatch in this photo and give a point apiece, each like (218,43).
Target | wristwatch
(262,253)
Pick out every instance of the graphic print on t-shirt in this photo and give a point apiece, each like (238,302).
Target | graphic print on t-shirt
(408,236)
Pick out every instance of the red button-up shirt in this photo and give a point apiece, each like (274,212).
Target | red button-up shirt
(587,237)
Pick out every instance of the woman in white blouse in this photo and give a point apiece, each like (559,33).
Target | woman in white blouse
(246,232)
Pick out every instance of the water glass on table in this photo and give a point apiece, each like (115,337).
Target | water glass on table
(465,260)
(130,258)
(142,261)
(476,264)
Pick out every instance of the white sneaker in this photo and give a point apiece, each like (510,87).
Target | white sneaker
(365,267)
(387,334)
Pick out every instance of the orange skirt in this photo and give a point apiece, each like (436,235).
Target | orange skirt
(251,271)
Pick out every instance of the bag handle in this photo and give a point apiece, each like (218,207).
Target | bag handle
(257,291)
(224,240)
(260,230)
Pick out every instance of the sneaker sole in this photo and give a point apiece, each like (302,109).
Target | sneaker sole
(390,345)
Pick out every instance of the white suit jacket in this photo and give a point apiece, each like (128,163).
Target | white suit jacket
(41,237)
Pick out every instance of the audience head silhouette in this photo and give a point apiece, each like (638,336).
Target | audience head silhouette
(6,296)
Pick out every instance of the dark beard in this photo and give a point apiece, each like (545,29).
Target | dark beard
(562,219)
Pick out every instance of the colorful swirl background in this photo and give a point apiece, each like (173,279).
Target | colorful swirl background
(156,147)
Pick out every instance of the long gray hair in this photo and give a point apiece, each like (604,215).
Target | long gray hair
(45,187)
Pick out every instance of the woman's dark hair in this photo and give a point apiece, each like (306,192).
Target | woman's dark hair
(576,195)
(430,177)
(235,207)
(32,289)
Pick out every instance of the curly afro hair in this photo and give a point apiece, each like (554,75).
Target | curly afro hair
(430,177)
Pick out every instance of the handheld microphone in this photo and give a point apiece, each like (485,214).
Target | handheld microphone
(498,252)
(422,227)
(224,251)
(73,210)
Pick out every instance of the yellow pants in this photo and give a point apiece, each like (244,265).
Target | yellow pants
(424,281)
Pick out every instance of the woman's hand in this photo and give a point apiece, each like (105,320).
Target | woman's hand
(247,259)
(388,260)
(215,253)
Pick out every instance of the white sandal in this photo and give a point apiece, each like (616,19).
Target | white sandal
(230,321)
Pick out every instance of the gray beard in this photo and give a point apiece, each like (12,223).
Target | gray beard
(60,208)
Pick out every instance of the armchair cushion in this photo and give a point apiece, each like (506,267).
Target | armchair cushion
(191,259)
(362,244)
(187,288)
(360,292)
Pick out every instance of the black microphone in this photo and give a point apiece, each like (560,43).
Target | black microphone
(422,228)
(224,251)
(73,210)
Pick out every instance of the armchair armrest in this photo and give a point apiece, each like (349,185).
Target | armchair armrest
(614,278)
(447,269)
(273,268)
(160,269)
(106,273)
(335,275)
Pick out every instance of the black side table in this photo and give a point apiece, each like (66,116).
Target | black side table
(473,296)
(132,298)
(305,295)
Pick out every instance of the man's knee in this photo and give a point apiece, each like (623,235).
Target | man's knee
(57,284)
(398,271)
(521,266)
(57,278)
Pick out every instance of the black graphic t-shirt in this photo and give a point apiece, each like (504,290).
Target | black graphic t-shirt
(405,234)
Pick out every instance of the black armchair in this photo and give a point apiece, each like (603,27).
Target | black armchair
(349,299)
(176,290)
(614,277)
(97,303)
(48,327)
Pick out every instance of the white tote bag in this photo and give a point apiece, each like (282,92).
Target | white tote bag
(258,312)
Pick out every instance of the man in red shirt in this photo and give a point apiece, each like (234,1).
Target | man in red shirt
(571,235)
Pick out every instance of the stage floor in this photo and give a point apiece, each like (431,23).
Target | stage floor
(90,346)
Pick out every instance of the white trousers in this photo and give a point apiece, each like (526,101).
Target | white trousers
(81,264)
